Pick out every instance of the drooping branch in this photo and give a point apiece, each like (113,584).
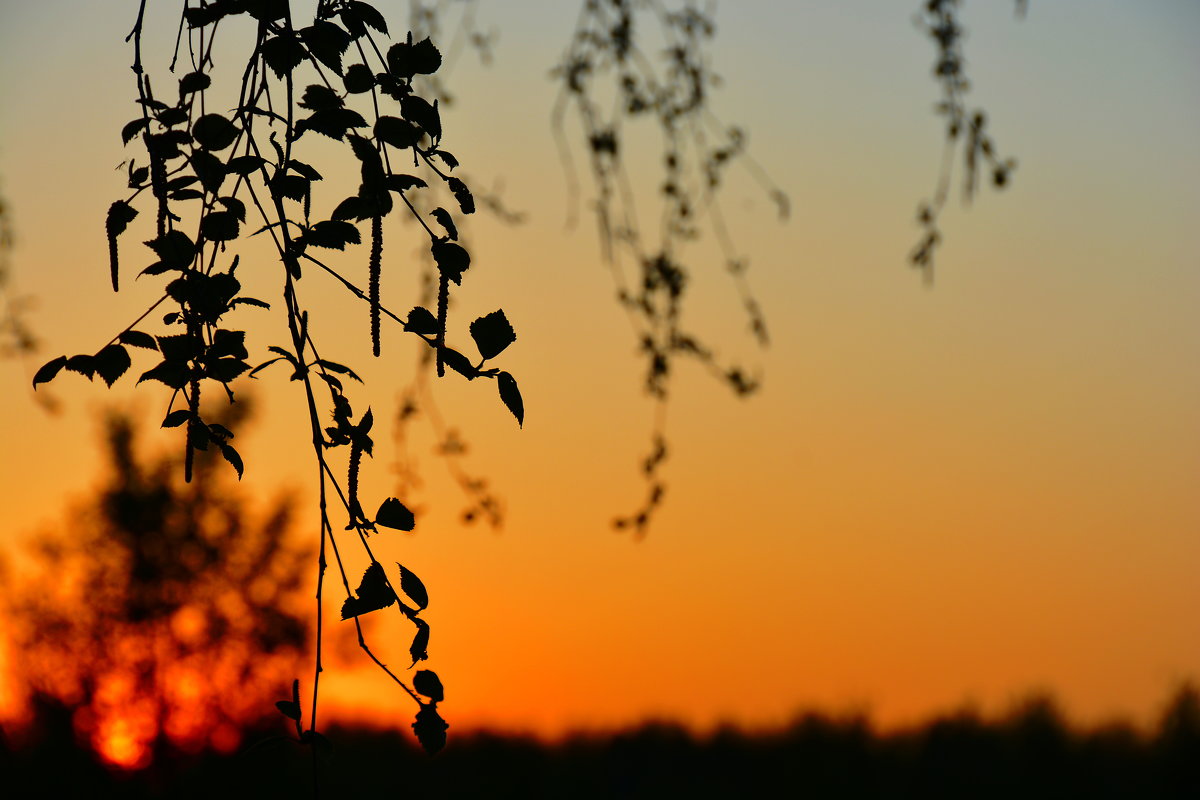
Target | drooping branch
(206,170)
(611,82)
(967,135)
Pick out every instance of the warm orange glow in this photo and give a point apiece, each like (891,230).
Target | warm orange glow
(944,495)
(200,703)
(124,741)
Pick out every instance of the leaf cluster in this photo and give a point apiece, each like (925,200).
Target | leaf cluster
(204,168)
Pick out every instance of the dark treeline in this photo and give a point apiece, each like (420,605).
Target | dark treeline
(1030,753)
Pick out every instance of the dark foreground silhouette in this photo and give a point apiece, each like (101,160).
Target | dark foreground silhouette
(1030,753)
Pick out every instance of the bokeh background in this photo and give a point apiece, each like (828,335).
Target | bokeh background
(946,495)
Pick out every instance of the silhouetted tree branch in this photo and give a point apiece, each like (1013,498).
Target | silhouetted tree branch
(206,167)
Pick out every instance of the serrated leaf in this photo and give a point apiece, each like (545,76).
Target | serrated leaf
(327,41)
(157,268)
(421,320)
(350,208)
(419,649)
(333,122)
(492,334)
(138,339)
(392,86)
(397,132)
(375,203)
(402,183)
(214,132)
(394,514)
(120,214)
(232,457)
(164,145)
(208,295)
(406,60)
(446,156)
(363,150)
(430,729)
(224,370)
(219,432)
(290,186)
(111,363)
(179,348)
(511,396)
(234,206)
(426,57)
(418,111)
(341,369)
(426,682)
(228,343)
(209,169)
(358,79)
(176,418)
(220,226)
(85,365)
(170,117)
(332,234)
(459,363)
(244,165)
(248,301)
(452,259)
(194,82)
(329,379)
(304,169)
(282,54)
(174,249)
(48,371)
(318,98)
(412,586)
(263,366)
(283,353)
(447,222)
(357,14)
(133,128)
(173,374)
(372,168)
(373,593)
(182,181)
(462,194)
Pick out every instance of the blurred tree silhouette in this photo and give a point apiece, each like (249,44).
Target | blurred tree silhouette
(160,614)
(16,338)
(1029,752)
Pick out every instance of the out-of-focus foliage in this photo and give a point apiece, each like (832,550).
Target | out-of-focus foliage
(967,134)
(1031,752)
(161,614)
(16,337)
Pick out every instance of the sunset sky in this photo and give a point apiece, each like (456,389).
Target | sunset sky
(944,495)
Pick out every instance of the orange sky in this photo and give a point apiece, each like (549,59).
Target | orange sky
(946,495)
